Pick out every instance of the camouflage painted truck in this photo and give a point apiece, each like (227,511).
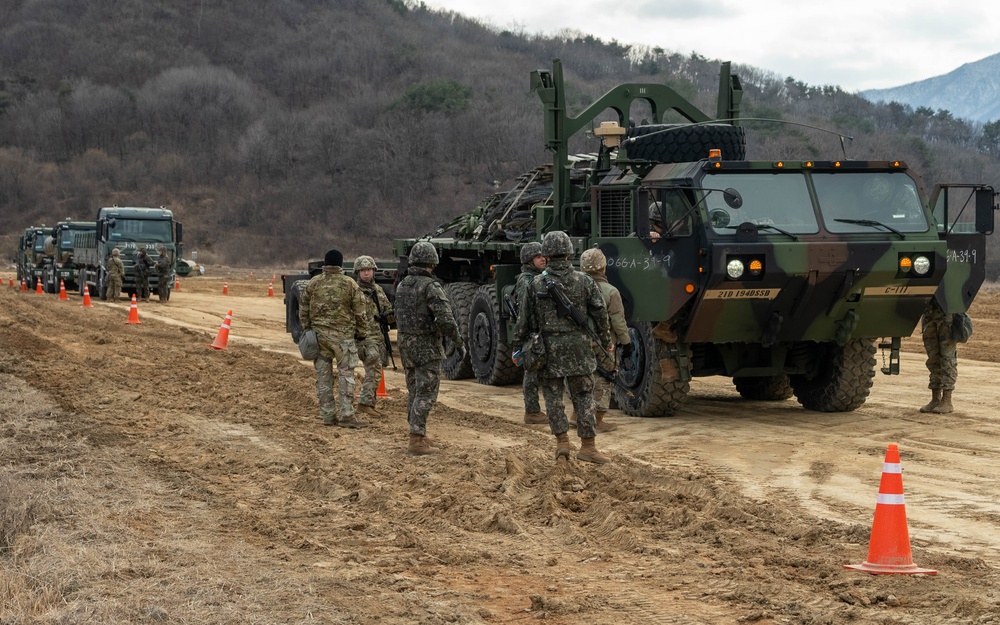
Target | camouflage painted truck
(129,229)
(31,259)
(785,276)
(63,246)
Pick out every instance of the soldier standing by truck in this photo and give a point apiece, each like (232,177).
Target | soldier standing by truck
(334,307)
(595,264)
(942,357)
(164,267)
(116,274)
(143,266)
(532,264)
(374,350)
(423,318)
(557,298)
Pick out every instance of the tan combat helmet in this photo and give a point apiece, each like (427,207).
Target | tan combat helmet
(593,261)
(364,262)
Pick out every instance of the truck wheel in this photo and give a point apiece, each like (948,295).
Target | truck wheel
(765,388)
(460,294)
(102,285)
(295,326)
(683,143)
(640,374)
(488,351)
(843,381)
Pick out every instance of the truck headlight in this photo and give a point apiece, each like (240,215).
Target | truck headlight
(921,265)
(735,269)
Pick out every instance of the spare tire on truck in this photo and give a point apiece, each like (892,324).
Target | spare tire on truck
(683,143)
(294,299)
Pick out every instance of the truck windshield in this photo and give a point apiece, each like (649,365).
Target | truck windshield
(769,199)
(890,199)
(143,230)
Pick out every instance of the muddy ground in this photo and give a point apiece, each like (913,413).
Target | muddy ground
(146,478)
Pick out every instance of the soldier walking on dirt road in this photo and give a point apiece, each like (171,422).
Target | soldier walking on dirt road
(373,350)
(116,275)
(569,356)
(333,305)
(423,318)
(594,263)
(532,264)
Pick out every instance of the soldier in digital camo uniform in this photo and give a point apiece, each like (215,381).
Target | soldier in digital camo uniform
(423,319)
(333,305)
(532,264)
(116,274)
(942,357)
(372,350)
(569,358)
(164,267)
(143,266)
(595,263)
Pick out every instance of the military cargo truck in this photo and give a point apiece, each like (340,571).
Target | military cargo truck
(67,264)
(785,276)
(31,259)
(129,229)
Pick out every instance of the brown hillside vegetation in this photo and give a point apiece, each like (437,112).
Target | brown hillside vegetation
(147,478)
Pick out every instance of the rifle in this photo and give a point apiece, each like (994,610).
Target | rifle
(383,324)
(508,301)
(565,308)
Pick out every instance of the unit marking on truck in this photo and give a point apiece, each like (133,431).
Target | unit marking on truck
(874,291)
(742,293)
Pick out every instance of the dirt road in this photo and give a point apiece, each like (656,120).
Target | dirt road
(149,478)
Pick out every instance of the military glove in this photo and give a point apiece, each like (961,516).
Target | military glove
(627,350)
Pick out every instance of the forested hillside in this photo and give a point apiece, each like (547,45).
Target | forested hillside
(277,129)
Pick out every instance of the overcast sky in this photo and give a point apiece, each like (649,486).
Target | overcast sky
(852,43)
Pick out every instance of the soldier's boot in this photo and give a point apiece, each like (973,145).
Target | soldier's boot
(588,452)
(351,422)
(571,419)
(935,400)
(535,418)
(945,406)
(563,446)
(420,447)
(371,411)
(601,426)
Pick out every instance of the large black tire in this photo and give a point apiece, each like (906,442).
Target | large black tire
(640,374)
(844,379)
(488,351)
(102,284)
(682,143)
(765,388)
(294,299)
(460,294)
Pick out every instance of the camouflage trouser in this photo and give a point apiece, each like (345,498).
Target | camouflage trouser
(422,387)
(114,288)
(942,355)
(372,353)
(345,353)
(163,288)
(602,394)
(530,388)
(142,288)
(581,393)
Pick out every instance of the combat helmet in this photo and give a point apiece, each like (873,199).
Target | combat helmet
(529,251)
(655,214)
(364,262)
(556,243)
(423,253)
(593,261)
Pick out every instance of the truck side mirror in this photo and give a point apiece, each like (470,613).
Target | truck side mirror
(733,197)
(984,210)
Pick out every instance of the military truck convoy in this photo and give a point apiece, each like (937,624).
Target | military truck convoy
(786,276)
(76,252)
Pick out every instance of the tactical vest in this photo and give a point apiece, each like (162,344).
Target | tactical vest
(412,313)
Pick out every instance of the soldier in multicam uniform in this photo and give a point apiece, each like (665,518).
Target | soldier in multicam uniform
(116,274)
(569,356)
(532,264)
(423,318)
(372,350)
(942,357)
(333,305)
(143,265)
(164,267)
(595,263)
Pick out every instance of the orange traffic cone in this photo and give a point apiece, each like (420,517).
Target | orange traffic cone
(225,288)
(133,312)
(38,287)
(251,275)
(270,290)
(12,282)
(24,284)
(273,277)
(222,338)
(62,291)
(86,298)
(381,387)
(177,284)
(889,546)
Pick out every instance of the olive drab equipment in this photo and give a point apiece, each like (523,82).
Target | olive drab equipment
(784,276)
